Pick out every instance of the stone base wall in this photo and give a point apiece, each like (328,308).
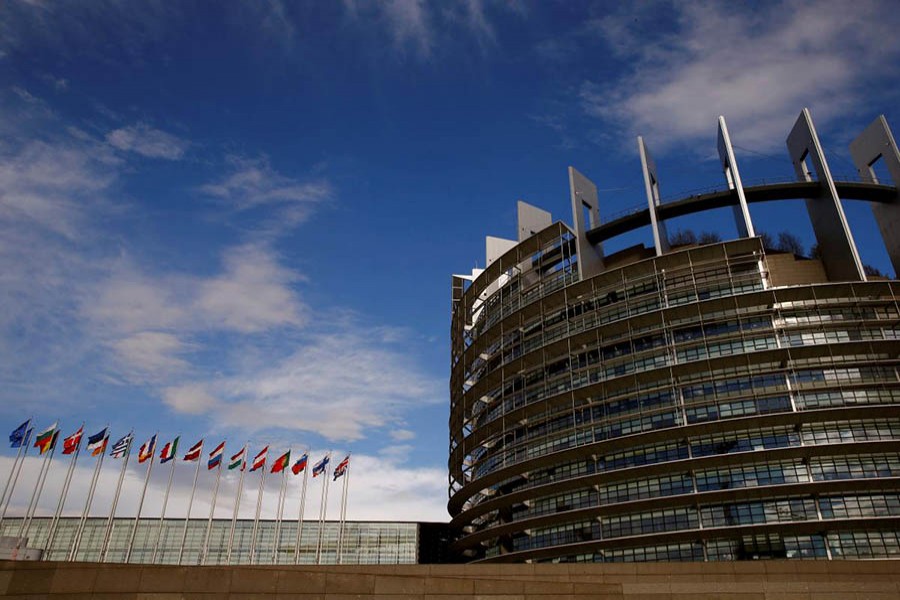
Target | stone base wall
(762,580)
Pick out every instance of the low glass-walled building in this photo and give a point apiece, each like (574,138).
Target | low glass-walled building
(715,401)
(365,542)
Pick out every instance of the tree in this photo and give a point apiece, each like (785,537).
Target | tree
(709,237)
(788,242)
(766,240)
(872,271)
(682,237)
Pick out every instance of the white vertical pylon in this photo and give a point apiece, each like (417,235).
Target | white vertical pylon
(340,552)
(137,517)
(107,535)
(187,517)
(323,509)
(162,513)
(76,543)
(212,510)
(14,472)
(54,523)
(237,506)
(302,505)
(259,497)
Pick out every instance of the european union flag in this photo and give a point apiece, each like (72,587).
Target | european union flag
(19,436)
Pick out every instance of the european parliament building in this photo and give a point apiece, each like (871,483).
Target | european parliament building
(699,402)
(363,543)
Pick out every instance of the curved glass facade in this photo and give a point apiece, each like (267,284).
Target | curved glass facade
(712,403)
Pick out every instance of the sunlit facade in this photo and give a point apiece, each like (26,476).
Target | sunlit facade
(702,402)
(365,542)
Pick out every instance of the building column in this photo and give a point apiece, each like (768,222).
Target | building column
(733,178)
(651,183)
(839,255)
(875,142)
(584,196)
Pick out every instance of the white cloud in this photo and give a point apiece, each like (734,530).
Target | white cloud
(147,141)
(402,435)
(191,399)
(758,66)
(379,490)
(151,354)
(254,184)
(339,383)
(251,295)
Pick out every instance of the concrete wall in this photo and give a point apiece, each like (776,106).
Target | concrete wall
(761,580)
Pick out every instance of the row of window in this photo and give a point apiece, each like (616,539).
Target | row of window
(827,468)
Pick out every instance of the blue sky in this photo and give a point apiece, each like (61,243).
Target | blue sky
(239,220)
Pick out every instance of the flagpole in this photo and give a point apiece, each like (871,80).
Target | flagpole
(24,444)
(279,518)
(162,514)
(262,484)
(237,506)
(15,477)
(141,503)
(212,510)
(322,512)
(340,548)
(36,496)
(190,505)
(62,500)
(302,503)
(76,543)
(107,535)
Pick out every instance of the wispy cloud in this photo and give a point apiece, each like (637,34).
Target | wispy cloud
(343,380)
(147,141)
(418,28)
(254,183)
(756,65)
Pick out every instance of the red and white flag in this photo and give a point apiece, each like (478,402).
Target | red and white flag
(195,451)
(71,443)
(260,460)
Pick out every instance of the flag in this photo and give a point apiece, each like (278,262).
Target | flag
(341,469)
(97,442)
(300,465)
(215,457)
(71,443)
(121,447)
(147,449)
(260,460)
(281,464)
(168,451)
(19,437)
(320,466)
(46,439)
(237,460)
(195,451)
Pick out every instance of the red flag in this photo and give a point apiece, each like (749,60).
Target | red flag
(281,464)
(71,443)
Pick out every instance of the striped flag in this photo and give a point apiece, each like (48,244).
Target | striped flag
(71,443)
(121,447)
(97,442)
(260,460)
(195,451)
(320,466)
(300,465)
(168,451)
(341,469)
(215,457)
(237,461)
(147,449)
(282,462)
(46,439)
